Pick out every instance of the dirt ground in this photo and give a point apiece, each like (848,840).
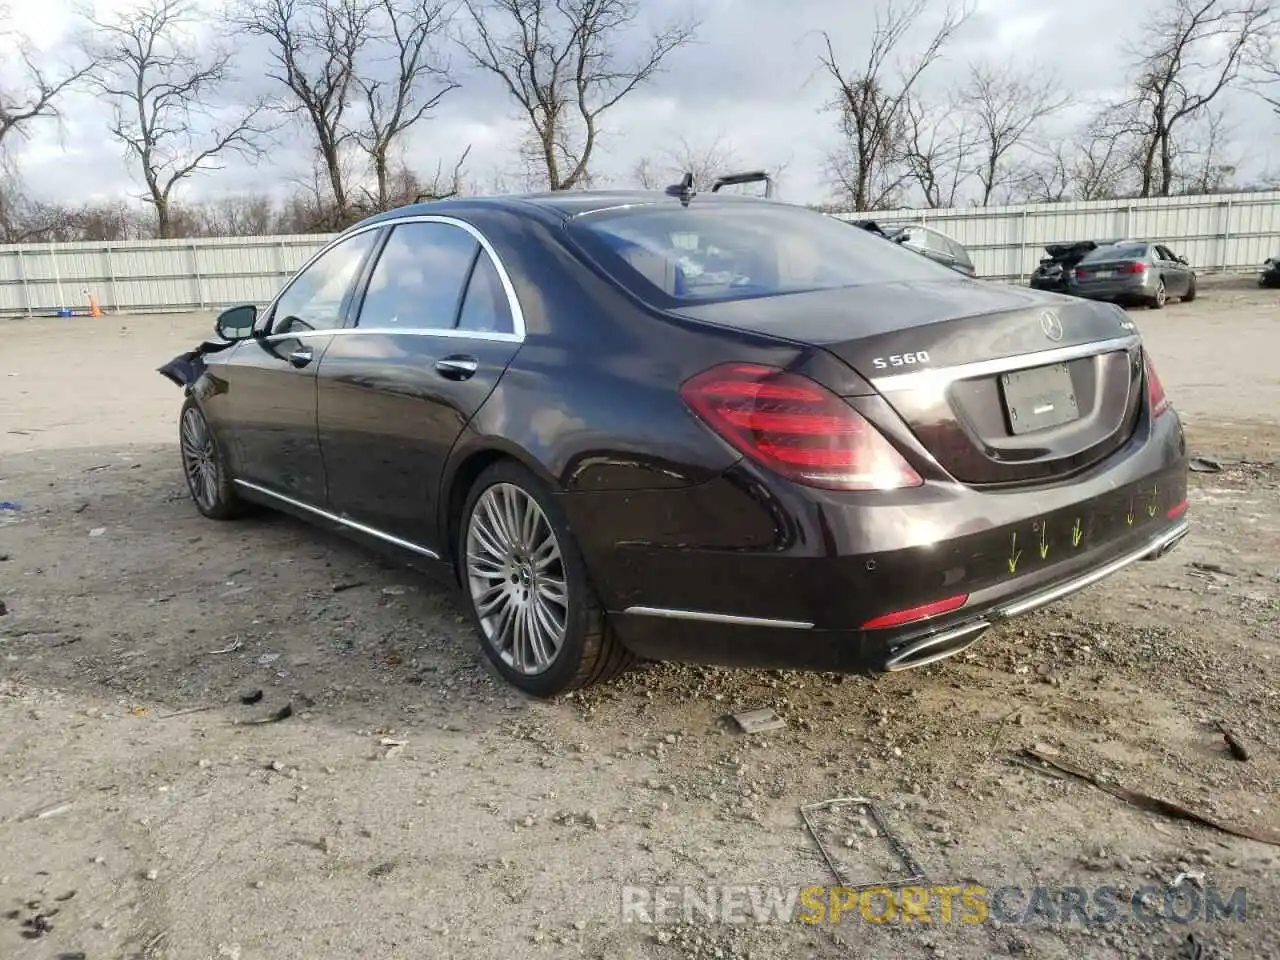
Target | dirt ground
(142,814)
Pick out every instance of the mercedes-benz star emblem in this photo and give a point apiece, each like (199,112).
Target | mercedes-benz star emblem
(1051,325)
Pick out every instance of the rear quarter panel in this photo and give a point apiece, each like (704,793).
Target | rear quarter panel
(591,400)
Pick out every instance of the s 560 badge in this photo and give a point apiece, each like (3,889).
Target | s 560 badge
(901,360)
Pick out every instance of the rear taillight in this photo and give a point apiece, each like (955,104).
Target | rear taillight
(1155,390)
(1079,274)
(1133,268)
(796,427)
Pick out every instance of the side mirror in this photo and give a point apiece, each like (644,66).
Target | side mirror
(236,323)
(1183,261)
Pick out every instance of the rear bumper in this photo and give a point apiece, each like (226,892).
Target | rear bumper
(738,572)
(1134,288)
(1055,284)
(699,637)
(937,643)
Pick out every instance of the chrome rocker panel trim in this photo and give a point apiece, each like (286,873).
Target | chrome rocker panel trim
(341,521)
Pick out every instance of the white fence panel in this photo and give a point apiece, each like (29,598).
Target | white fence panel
(1216,233)
(148,274)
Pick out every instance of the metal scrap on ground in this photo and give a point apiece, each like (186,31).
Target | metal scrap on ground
(914,874)
(1155,804)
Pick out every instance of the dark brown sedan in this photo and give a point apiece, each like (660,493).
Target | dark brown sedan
(697,428)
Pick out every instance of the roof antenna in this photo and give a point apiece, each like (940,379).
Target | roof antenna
(684,189)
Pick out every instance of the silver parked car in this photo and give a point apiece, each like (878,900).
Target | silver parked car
(1131,272)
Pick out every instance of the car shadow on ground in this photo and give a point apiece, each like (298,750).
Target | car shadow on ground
(202,613)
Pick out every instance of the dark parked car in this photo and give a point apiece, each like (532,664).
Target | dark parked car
(926,241)
(697,428)
(1054,271)
(1270,275)
(1132,272)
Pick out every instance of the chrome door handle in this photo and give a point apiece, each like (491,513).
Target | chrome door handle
(457,368)
(301,357)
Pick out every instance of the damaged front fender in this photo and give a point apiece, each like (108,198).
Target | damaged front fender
(186,368)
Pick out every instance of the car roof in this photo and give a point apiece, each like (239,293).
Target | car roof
(560,205)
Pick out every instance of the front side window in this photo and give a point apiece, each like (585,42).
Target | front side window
(673,254)
(418,279)
(313,301)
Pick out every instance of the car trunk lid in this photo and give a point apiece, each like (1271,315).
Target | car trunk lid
(1106,271)
(1000,384)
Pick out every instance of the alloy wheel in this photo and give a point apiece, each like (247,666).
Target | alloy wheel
(516,578)
(199,459)
(1161,295)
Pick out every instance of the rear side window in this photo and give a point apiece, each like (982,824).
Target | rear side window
(418,279)
(485,308)
(668,254)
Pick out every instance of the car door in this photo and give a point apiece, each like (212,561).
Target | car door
(437,324)
(1177,275)
(272,377)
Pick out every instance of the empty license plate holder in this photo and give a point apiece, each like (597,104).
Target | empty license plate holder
(1039,398)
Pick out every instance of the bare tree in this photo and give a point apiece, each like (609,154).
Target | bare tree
(162,86)
(873,101)
(404,185)
(558,59)
(1101,165)
(393,105)
(1204,164)
(936,150)
(1047,178)
(706,161)
(314,46)
(1190,54)
(1008,106)
(35,92)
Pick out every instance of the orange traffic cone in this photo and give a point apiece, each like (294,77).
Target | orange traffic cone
(94,309)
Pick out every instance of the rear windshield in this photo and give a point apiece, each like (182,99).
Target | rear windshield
(716,252)
(1119,251)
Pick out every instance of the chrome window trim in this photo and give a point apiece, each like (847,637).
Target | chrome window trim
(513,303)
(943,376)
(341,521)
(396,332)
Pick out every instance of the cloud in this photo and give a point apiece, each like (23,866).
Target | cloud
(752,80)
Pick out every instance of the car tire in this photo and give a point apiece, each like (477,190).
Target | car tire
(526,586)
(205,468)
(1191,291)
(1161,297)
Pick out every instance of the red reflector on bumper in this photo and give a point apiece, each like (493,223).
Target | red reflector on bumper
(1178,509)
(898,617)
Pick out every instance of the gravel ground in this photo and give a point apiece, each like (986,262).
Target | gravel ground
(414,806)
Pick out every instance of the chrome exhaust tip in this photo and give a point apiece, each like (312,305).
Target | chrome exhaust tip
(939,646)
(1168,544)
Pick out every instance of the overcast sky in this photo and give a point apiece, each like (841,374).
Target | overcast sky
(752,78)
